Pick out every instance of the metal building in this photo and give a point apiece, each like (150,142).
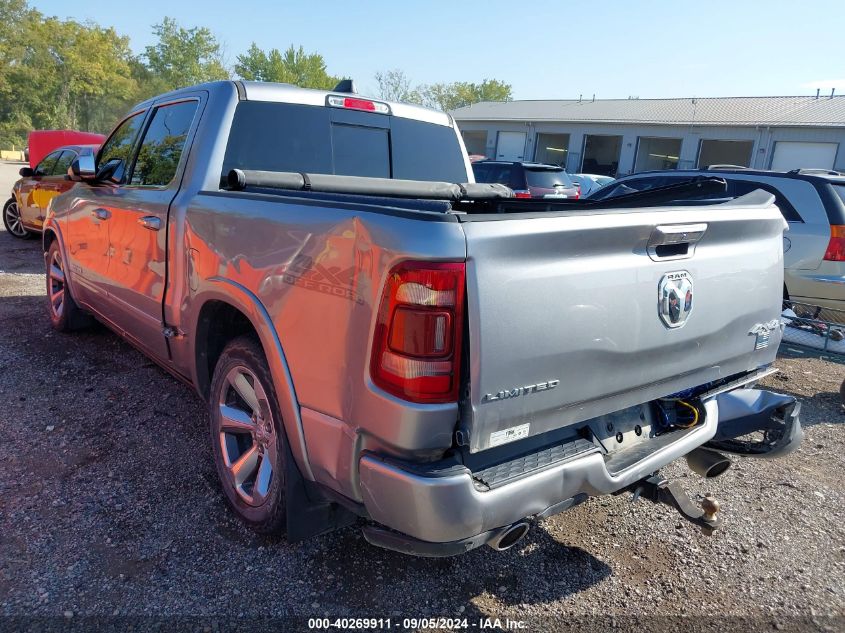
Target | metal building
(622,136)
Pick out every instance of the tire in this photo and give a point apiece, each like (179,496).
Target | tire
(65,315)
(248,437)
(12,220)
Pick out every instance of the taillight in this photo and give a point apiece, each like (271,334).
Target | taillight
(353,103)
(417,344)
(836,247)
(521,194)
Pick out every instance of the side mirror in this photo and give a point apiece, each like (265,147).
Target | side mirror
(111,170)
(26,172)
(82,168)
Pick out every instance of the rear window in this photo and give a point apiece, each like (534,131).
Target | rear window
(634,185)
(323,140)
(736,188)
(547,178)
(502,173)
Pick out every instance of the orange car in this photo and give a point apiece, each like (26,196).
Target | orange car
(24,212)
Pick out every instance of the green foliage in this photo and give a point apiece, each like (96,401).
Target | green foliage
(184,57)
(294,66)
(58,74)
(394,85)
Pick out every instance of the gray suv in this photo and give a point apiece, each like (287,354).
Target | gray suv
(811,200)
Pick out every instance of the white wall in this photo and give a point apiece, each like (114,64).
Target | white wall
(763,138)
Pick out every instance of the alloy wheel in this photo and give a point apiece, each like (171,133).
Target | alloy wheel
(57,285)
(247,435)
(13,220)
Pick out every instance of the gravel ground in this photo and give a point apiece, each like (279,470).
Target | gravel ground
(109,505)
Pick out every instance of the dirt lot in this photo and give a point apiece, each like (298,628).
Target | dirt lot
(109,505)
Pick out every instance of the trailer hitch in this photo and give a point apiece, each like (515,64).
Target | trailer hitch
(658,489)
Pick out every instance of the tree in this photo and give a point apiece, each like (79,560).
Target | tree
(393,85)
(183,57)
(461,93)
(58,74)
(294,66)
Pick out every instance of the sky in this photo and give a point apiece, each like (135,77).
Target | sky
(544,49)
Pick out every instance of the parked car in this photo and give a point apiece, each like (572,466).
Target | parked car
(43,142)
(528,180)
(590,182)
(813,203)
(24,212)
(427,352)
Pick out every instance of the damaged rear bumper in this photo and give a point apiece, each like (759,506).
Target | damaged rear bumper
(772,417)
(442,513)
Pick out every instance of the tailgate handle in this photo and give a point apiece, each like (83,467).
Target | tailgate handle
(674,241)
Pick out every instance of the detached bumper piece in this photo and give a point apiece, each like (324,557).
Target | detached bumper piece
(757,423)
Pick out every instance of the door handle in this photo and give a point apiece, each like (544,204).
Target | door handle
(150,222)
(101,214)
(675,241)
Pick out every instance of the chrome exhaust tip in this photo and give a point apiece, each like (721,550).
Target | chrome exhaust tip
(509,536)
(708,463)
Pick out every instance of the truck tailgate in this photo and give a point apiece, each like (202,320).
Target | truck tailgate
(565,315)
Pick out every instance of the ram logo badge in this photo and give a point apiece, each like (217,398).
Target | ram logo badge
(520,391)
(674,298)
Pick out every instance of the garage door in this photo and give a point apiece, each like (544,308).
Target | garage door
(791,155)
(510,146)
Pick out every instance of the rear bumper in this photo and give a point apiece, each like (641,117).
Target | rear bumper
(452,508)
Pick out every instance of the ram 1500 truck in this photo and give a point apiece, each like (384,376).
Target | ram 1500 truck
(378,336)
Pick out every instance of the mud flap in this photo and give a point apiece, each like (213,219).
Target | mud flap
(309,513)
(772,417)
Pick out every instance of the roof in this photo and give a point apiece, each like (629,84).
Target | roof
(811,175)
(774,111)
(288,93)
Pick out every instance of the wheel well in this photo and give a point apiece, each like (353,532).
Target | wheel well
(49,238)
(218,323)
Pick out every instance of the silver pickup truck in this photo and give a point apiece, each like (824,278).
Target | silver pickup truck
(378,336)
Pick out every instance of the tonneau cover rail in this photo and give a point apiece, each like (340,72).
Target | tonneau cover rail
(239,179)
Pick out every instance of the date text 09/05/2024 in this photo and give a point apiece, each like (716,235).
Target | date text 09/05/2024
(417,623)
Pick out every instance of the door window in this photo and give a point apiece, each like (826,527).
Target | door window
(63,163)
(163,143)
(45,167)
(119,145)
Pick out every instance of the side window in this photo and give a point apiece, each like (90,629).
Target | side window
(163,143)
(62,165)
(501,174)
(628,186)
(119,145)
(742,187)
(45,167)
(482,172)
